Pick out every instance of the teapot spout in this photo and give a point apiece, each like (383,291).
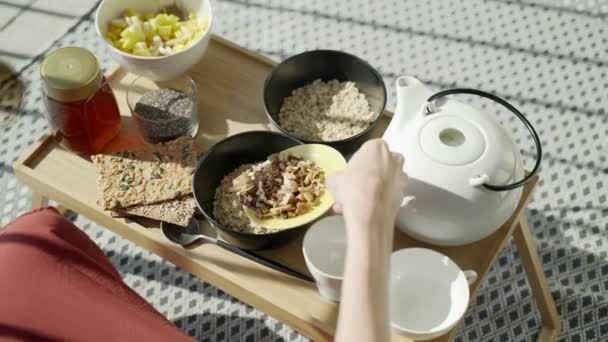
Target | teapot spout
(411,95)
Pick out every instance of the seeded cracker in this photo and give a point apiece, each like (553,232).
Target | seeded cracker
(155,174)
(178,211)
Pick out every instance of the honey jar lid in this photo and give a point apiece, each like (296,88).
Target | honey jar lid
(70,74)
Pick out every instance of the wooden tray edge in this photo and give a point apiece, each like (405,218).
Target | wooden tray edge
(32,152)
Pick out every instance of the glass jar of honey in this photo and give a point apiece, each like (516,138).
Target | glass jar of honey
(81,108)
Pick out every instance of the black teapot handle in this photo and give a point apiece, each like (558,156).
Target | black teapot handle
(539,152)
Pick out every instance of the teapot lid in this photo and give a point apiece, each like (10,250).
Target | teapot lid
(438,135)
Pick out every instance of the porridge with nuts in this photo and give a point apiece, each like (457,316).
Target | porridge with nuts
(227,207)
(326,111)
(283,186)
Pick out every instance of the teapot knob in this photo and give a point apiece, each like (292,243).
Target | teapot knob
(479,180)
(429,108)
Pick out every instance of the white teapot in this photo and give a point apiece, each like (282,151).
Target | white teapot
(466,173)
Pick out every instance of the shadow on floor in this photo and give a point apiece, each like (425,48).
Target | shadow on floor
(11,95)
(404,29)
(576,267)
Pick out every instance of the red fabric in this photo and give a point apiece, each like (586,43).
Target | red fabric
(56,284)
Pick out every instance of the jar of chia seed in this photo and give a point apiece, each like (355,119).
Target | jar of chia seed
(164,110)
(81,108)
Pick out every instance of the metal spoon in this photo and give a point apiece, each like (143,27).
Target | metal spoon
(188,235)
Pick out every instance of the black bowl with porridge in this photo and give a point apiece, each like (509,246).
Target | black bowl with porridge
(214,175)
(325,96)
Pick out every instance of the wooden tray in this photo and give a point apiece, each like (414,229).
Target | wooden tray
(230,81)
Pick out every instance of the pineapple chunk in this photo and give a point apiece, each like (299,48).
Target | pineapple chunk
(130,13)
(179,47)
(164,31)
(141,49)
(127,44)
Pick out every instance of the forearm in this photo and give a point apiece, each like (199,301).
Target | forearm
(364,305)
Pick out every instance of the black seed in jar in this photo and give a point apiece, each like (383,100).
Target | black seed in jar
(165,114)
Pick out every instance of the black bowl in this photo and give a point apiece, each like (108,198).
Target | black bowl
(221,159)
(302,69)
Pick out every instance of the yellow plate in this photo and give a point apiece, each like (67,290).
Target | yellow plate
(329,160)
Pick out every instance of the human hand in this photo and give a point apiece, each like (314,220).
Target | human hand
(368,193)
(371,188)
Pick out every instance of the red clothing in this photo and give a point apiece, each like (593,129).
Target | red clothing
(56,284)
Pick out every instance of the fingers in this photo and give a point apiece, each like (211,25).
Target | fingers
(377,145)
(336,209)
(373,161)
(333,184)
(398,158)
(401,187)
(403,181)
(374,151)
(332,181)
(374,143)
(399,175)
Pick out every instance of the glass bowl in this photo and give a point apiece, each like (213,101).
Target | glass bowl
(164,110)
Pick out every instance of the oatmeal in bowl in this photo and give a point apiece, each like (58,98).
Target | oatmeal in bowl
(326,111)
(325,96)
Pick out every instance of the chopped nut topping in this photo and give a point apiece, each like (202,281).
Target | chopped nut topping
(284,186)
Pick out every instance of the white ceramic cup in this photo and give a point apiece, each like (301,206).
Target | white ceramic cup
(324,251)
(429,293)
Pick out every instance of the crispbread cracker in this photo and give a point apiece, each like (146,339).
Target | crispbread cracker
(178,211)
(154,174)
